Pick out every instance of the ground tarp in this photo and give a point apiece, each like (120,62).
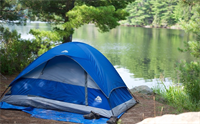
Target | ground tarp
(54,115)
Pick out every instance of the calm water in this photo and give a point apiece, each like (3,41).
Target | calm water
(142,56)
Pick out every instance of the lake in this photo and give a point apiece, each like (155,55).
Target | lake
(142,56)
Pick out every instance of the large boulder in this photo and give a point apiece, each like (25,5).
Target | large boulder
(142,89)
(184,118)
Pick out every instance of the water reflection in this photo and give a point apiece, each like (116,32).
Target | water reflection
(132,81)
(24,30)
(140,55)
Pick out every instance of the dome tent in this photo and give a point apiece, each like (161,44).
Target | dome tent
(72,77)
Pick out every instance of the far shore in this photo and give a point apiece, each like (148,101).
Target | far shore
(150,26)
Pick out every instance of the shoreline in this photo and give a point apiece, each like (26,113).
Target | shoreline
(177,27)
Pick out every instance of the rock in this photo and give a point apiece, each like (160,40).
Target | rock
(184,118)
(147,26)
(142,89)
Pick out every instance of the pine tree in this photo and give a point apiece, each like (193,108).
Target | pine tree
(158,8)
(132,9)
(140,13)
(168,16)
(12,10)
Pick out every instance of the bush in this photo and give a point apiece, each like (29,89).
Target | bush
(190,77)
(15,53)
(189,73)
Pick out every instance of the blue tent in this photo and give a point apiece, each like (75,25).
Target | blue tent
(73,77)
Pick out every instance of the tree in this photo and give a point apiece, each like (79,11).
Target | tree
(70,14)
(190,72)
(168,16)
(158,7)
(132,9)
(15,53)
(11,10)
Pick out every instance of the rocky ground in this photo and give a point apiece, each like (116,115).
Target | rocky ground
(147,107)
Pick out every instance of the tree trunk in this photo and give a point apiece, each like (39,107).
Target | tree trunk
(69,5)
(67,39)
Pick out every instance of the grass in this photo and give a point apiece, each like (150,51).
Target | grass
(176,97)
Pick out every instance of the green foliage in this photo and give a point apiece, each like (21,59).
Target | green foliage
(12,10)
(140,13)
(15,52)
(190,77)
(105,17)
(159,8)
(44,40)
(189,73)
(71,14)
(159,13)
(194,48)
(177,97)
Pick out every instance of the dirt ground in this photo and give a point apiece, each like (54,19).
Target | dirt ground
(147,107)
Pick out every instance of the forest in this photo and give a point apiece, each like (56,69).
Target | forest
(160,13)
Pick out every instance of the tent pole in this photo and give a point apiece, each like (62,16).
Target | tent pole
(86,89)
(44,68)
(4,92)
(133,96)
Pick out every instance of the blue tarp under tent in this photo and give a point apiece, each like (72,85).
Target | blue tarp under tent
(70,80)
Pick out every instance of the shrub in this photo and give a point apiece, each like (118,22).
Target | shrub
(190,77)
(189,73)
(15,53)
